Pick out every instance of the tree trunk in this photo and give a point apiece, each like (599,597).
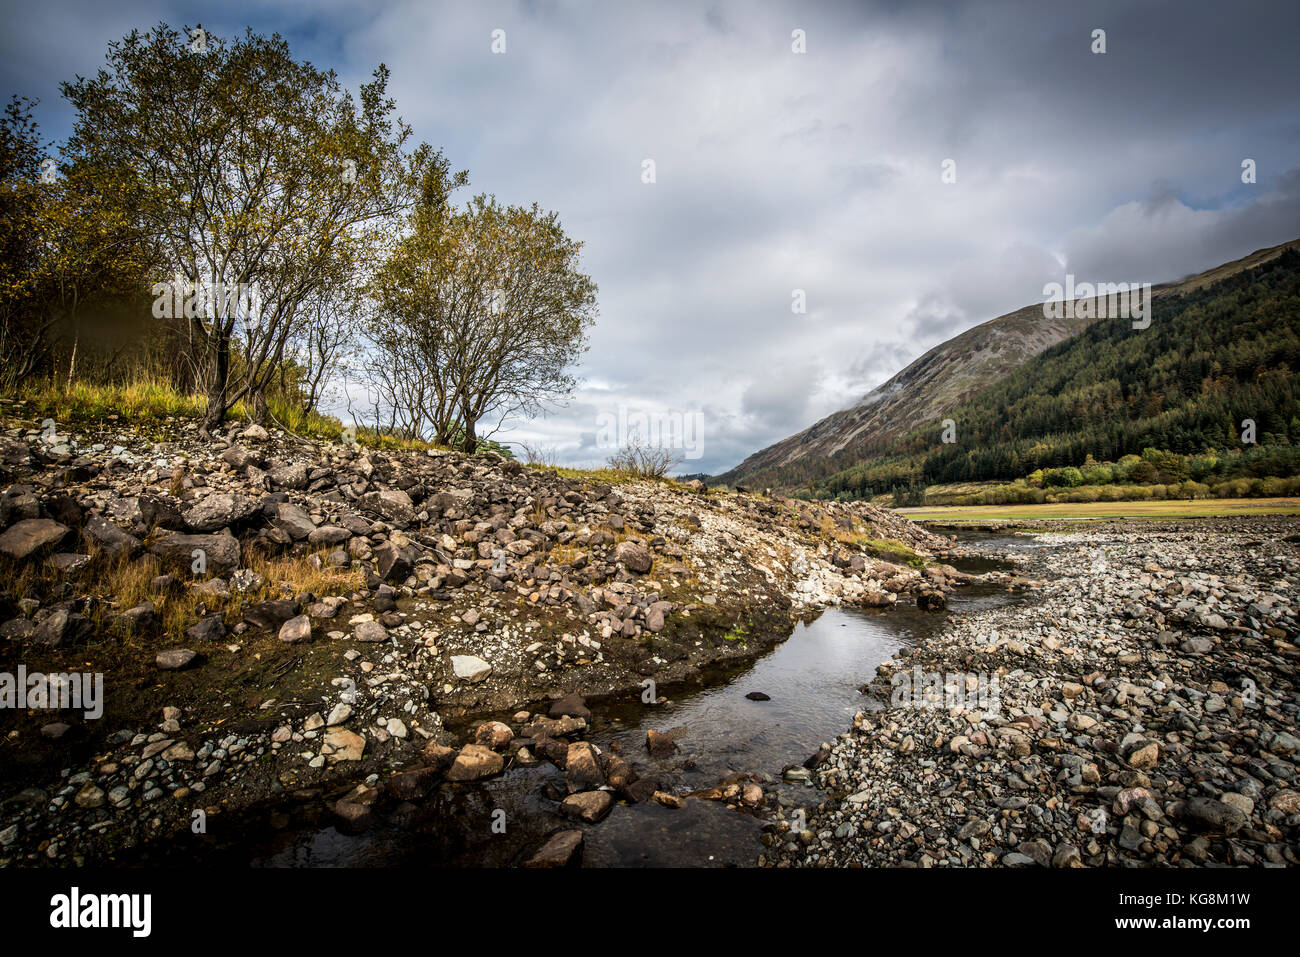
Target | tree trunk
(72,361)
(259,407)
(214,415)
(216,411)
(471,440)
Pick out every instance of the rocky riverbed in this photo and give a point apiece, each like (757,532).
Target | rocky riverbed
(1144,714)
(301,634)
(274,620)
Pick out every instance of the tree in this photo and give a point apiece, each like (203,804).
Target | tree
(95,248)
(65,245)
(515,357)
(24,327)
(405,364)
(492,301)
(260,177)
(324,343)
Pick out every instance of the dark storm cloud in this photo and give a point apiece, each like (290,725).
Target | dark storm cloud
(818,172)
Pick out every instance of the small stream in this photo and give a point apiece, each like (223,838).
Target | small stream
(812,680)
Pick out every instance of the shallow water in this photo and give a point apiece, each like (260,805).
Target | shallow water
(812,679)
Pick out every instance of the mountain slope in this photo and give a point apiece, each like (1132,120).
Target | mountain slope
(1208,392)
(941,380)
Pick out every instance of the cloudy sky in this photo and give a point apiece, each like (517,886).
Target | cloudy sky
(819,171)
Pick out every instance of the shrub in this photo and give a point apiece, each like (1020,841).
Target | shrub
(644,461)
(1143,471)
(1123,469)
(1098,475)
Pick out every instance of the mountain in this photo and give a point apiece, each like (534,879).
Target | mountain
(941,380)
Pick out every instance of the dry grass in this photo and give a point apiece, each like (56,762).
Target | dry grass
(27,580)
(604,476)
(118,584)
(885,549)
(295,574)
(564,554)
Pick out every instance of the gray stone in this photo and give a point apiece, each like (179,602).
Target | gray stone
(369,631)
(294,520)
(62,626)
(589,806)
(296,630)
(211,628)
(32,536)
(220,552)
(112,540)
(636,557)
(174,659)
(1207,814)
(219,510)
(328,535)
(470,668)
(289,476)
(560,850)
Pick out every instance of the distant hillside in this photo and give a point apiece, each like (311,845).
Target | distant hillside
(941,380)
(1211,358)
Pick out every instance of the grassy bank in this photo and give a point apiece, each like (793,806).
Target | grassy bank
(145,400)
(1200,508)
